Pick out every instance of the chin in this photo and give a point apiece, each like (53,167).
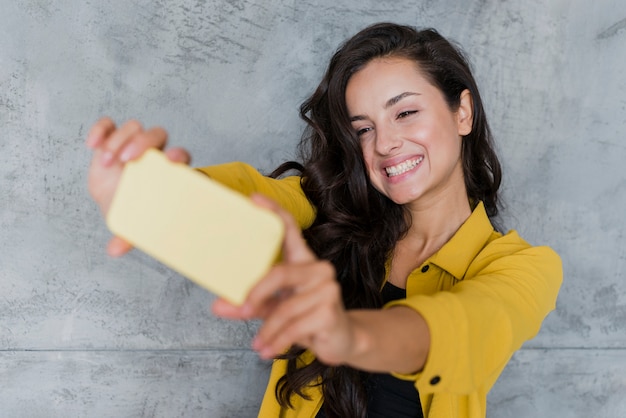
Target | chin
(401,200)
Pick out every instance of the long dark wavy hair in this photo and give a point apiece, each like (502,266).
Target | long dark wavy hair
(357,227)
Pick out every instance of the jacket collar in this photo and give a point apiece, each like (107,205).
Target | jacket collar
(457,254)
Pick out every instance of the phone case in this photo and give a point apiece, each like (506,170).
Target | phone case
(209,233)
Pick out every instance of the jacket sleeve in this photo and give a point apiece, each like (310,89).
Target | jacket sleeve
(247,180)
(479,323)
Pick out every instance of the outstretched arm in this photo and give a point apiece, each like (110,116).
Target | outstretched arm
(300,303)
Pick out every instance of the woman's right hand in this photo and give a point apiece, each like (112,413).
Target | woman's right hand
(113,147)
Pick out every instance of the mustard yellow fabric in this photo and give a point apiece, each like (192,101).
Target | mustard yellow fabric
(483,294)
(247,180)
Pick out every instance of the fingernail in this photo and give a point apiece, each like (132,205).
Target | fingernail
(127,154)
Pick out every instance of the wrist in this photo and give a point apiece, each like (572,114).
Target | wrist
(362,341)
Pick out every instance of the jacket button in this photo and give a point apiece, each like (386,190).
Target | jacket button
(435,380)
(425,268)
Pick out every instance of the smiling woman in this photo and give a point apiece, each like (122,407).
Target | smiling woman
(399,298)
(411,140)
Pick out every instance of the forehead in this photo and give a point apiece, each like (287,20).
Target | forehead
(390,65)
(383,78)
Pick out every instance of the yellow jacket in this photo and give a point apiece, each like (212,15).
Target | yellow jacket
(483,294)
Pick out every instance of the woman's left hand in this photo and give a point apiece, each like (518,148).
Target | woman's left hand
(299,301)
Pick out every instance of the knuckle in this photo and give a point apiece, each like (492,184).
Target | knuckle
(290,334)
(105,122)
(133,124)
(142,137)
(328,267)
(159,131)
(332,290)
(326,270)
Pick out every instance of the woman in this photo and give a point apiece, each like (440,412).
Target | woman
(399,182)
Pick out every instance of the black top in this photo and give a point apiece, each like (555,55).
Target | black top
(388,396)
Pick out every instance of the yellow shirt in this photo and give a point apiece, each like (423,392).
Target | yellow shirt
(483,294)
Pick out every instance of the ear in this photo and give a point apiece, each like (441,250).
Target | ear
(465,113)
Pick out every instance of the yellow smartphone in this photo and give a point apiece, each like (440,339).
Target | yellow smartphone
(207,232)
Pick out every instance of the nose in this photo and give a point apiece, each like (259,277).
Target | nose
(387,140)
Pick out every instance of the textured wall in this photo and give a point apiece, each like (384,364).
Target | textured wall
(84,335)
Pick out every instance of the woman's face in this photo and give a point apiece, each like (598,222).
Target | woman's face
(410,138)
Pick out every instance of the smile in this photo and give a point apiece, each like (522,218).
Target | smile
(403,167)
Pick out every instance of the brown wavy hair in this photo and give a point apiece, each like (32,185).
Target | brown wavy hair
(357,227)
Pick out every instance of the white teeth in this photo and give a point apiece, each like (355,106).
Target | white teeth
(403,167)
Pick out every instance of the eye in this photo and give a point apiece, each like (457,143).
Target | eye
(406,113)
(363,131)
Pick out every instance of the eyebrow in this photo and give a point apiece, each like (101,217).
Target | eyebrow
(389,103)
(399,97)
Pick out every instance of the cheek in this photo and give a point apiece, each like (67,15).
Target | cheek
(367,152)
(368,158)
(441,137)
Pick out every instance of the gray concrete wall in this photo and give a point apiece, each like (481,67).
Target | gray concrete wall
(86,336)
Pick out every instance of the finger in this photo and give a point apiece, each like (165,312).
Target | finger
(225,309)
(278,330)
(118,246)
(297,332)
(136,145)
(278,284)
(178,155)
(117,140)
(295,248)
(315,333)
(99,131)
(305,331)
(302,307)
